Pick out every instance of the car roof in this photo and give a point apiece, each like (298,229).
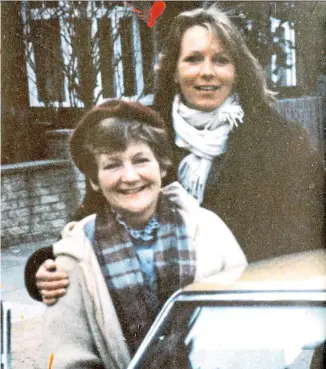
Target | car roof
(300,271)
(265,283)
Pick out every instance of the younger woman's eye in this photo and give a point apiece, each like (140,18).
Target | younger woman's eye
(223,59)
(193,58)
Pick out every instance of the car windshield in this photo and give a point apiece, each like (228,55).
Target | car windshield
(246,335)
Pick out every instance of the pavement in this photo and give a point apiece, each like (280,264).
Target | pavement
(26,313)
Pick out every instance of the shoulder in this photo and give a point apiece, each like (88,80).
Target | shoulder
(272,121)
(196,218)
(76,238)
(176,193)
(216,247)
(292,139)
(269,134)
(211,227)
(82,226)
(207,217)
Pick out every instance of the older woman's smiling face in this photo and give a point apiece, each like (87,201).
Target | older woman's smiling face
(205,71)
(130,180)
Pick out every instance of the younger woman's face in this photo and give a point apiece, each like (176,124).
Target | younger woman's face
(205,71)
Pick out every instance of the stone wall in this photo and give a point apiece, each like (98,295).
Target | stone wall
(37,199)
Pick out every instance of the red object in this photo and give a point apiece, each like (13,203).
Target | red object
(149,16)
(156,10)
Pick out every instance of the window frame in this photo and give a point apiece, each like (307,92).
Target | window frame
(290,73)
(96,13)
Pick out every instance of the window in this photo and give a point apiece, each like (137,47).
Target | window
(127,56)
(48,60)
(147,53)
(272,42)
(282,66)
(130,66)
(106,57)
(222,329)
(80,53)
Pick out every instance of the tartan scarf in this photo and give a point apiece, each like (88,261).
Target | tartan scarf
(174,259)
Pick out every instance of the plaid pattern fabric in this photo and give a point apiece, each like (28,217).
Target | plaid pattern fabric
(174,259)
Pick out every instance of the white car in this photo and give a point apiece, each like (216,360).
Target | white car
(272,315)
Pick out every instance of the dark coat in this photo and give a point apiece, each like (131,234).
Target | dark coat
(268,190)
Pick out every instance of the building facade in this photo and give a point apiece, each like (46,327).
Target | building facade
(61,57)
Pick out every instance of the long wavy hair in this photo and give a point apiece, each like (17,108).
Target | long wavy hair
(250,83)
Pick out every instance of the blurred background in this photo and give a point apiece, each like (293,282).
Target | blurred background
(61,57)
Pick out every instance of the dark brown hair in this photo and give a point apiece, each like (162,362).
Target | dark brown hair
(112,126)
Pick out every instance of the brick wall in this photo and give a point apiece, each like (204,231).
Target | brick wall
(37,199)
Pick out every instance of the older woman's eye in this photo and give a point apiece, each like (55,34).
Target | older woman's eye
(142,160)
(111,166)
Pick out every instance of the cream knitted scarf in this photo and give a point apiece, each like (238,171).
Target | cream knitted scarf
(205,135)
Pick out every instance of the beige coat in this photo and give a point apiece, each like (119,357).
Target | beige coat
(82,328)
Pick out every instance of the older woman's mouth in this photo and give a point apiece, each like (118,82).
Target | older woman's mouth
(129,191)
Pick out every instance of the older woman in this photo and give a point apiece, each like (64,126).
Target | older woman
(233,152)
(142,244)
